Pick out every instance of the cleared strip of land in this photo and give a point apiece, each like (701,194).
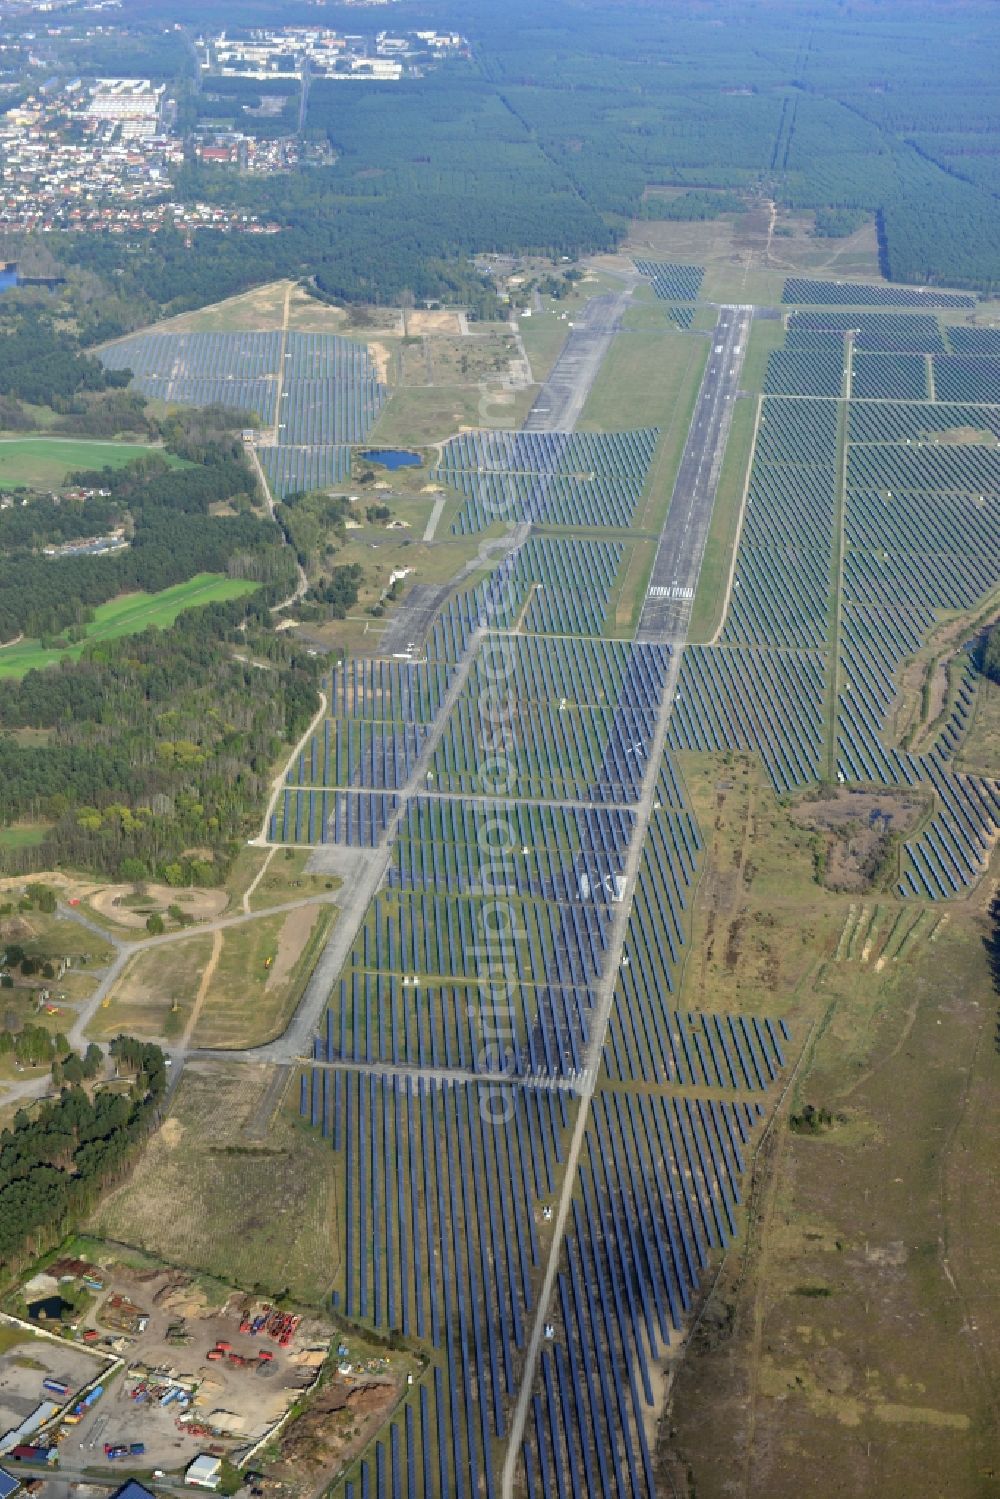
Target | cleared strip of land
(41,462)
(126,616)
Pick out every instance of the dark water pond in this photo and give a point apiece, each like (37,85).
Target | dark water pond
(393,457)
(50,1307)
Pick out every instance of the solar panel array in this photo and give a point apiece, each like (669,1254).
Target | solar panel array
(909,467)
(513,754)
(433,1085)
(327,388)
(571,479)
(672,282)
(236,370)
(810,293)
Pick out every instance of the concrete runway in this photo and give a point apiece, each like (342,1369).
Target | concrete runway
(558,404)
(667,607)
(413,620)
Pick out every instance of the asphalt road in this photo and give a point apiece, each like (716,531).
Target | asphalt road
(667,607)
(558,404)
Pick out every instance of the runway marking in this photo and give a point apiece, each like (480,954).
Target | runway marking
(671,591)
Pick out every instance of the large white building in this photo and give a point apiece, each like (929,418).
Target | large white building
(133,103)
(205,1472)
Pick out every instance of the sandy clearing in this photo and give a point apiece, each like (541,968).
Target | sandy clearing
(418,321)
(203,987)
(200,905)
(381,359)
(292,939)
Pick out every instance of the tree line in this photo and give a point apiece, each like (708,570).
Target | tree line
(41,597)
(43,363)
(162,742)
(56,1161)
(989,654)
(549,138)
(157,744)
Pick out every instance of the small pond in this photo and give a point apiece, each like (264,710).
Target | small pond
(393,457)
(49,1309)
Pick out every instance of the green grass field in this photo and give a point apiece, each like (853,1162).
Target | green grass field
(23,835)
(423,414)
(39,462)
(126,616)
(642,379)
(543,336)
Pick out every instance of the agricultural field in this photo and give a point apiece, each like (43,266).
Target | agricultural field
(127,615)
(45,462)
